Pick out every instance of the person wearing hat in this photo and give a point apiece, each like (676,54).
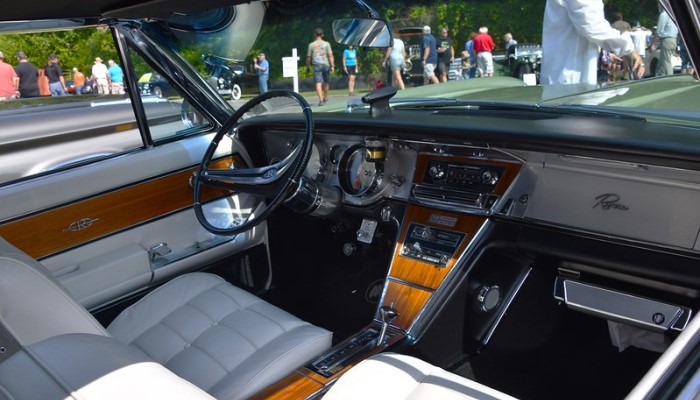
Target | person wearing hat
(262,66)
(57,85)
(320,55)
(429,56)
(100,75)
(9,81)
(28,75)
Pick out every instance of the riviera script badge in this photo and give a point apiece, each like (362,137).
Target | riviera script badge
(81,224)
(610,201)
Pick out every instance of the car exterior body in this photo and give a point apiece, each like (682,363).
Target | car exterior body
(542,248)
(152,83)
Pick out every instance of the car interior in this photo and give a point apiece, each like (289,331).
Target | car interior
(489,252)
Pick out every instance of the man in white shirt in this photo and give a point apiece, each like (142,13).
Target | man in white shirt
(573,32)
(640,37)
(100,75)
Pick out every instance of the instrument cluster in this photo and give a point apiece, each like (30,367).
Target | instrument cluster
(360,169)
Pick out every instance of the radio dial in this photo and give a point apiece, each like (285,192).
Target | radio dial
(436,172)
(489,177)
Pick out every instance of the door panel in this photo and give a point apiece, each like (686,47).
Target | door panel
(93,226)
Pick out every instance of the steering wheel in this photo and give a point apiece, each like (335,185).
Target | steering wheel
(274,182)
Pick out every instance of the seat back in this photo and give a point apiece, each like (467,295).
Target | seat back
(90,367)
(33,305)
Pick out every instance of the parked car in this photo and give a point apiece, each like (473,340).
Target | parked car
(651,62)
(470,239)
(524,60)
(152,83)
(225,75)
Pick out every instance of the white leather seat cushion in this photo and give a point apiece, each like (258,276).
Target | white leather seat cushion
(90,367)
(221,338)
(391,376)
(33,305)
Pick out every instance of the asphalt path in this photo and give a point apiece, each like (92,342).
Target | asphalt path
(335,102)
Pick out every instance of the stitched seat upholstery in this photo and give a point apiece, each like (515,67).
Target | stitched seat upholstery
(219,337)
(391,376)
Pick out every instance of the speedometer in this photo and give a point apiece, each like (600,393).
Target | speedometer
(356,175)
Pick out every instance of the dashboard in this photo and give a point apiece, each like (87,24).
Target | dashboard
(607,198)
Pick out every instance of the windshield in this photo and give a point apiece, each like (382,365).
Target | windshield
(614,57)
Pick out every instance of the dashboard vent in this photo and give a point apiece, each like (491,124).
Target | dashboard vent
(450,197)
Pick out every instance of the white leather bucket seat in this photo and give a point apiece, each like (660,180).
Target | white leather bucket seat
(221,338)
(391,376)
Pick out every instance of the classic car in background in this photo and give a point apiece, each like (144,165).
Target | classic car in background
(461,240)
(225,75)
(152,83)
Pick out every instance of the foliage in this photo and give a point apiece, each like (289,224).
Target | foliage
(281,33)
(75,48)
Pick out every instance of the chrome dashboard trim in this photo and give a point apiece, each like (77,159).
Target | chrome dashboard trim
(621,307)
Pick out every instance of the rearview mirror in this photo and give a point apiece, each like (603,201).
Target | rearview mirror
(362,32)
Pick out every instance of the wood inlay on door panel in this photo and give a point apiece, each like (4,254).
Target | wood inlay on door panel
(424,273)
(407,300)
(58,229)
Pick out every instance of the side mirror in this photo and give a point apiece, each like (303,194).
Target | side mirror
(362,32)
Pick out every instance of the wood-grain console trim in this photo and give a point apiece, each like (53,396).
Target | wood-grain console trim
(511,168)
(303,383)
(51,231)
(423,273)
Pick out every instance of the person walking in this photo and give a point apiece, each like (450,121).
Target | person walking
(100,75)
(446,54)
(320,54)
(573,32)
(350,67)
(262,67)
(116,77)
(57,85)
(483,47)
(28,75)
(78,81)
(469,48)
(9,82)
(428,55)
(394,61)
(509,41)
(666,34)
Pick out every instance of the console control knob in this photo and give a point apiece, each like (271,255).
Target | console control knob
(489,297)
(489,177)
(436,172)
(349,249)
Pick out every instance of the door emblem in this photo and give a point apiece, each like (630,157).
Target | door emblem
(81,224)
(610,201)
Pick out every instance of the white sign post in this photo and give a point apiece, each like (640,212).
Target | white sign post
(290,69)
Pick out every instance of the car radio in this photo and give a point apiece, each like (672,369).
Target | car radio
(432,245)
(481,178)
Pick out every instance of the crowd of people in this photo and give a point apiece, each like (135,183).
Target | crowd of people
(26,80)
(578,44)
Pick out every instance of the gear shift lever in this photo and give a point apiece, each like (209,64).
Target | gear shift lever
(388,315)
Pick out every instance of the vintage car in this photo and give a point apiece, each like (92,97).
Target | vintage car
(468,240)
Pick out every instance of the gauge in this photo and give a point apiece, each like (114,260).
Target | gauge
(356,175)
